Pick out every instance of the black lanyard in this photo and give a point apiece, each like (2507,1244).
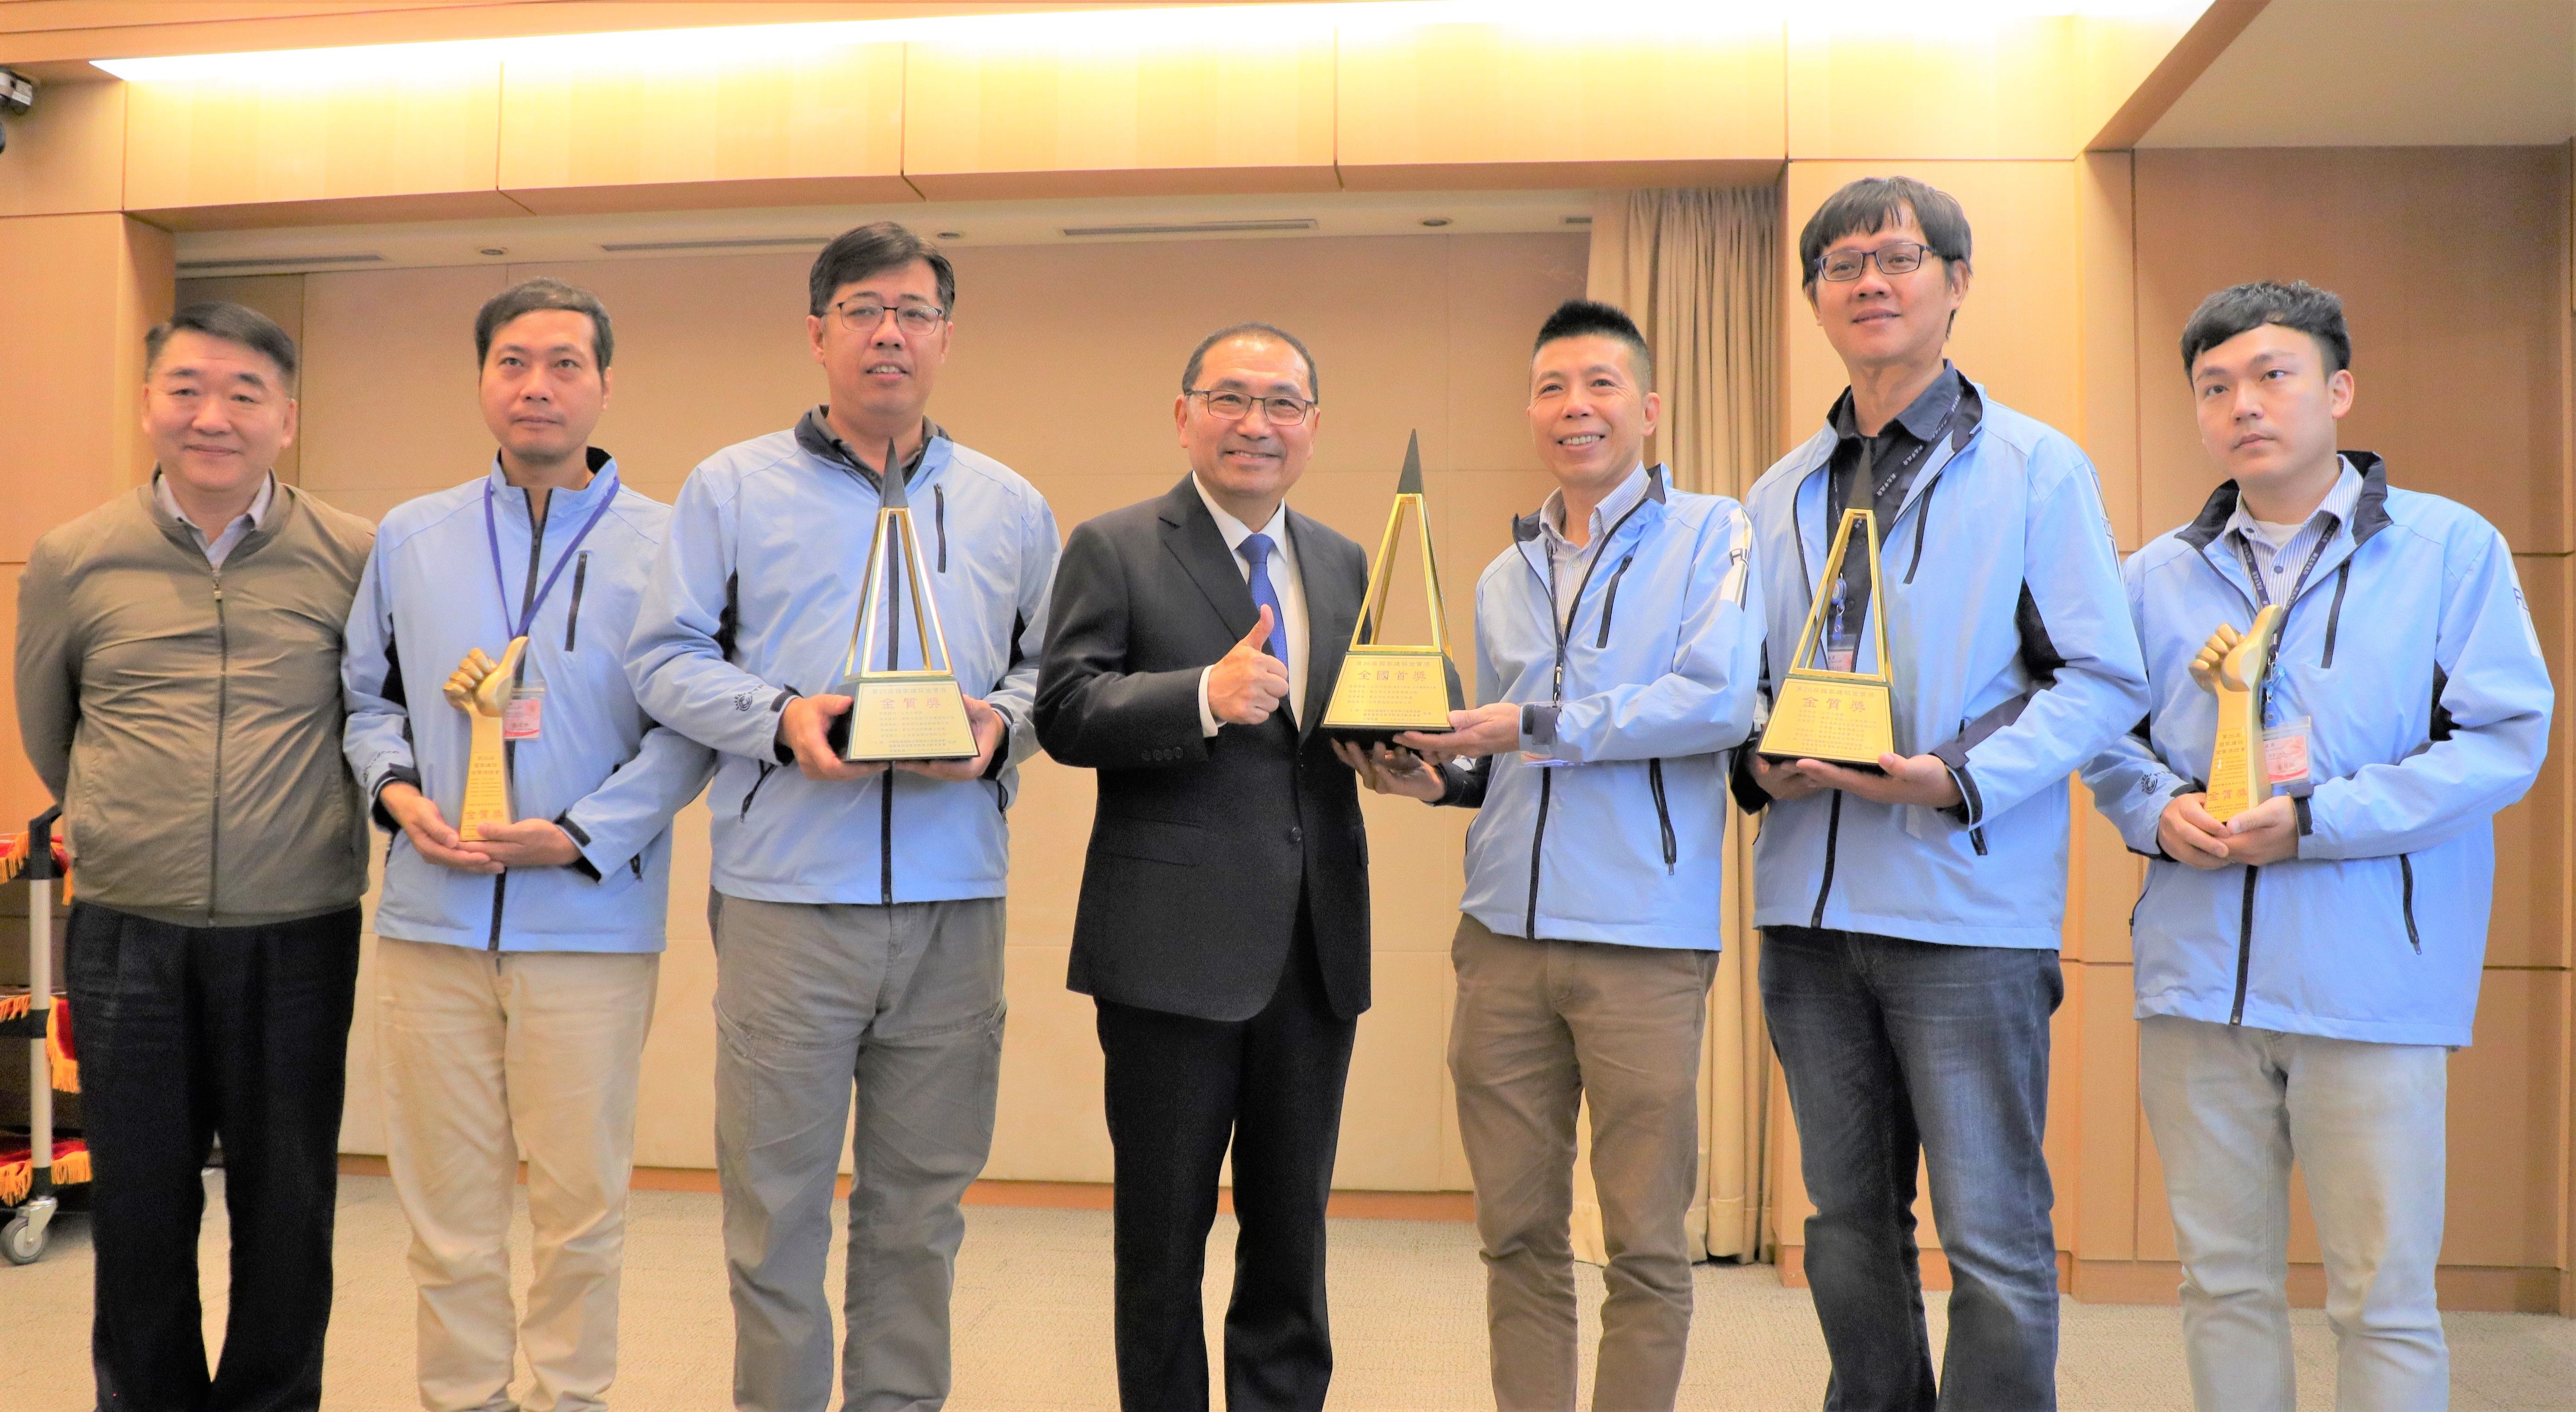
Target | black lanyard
(2254,571)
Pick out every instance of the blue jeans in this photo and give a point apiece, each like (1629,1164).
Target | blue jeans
(1894,1047)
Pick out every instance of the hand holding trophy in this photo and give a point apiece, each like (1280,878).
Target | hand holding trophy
(2231,666)
(480,687)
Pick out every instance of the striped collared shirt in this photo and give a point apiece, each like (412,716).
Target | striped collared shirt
(2280,565)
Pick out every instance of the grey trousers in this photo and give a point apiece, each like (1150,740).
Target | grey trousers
(904,1003)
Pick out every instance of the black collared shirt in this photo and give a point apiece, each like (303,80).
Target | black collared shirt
(814,433)
(1889,461)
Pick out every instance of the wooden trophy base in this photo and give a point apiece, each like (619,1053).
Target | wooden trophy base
(1386,691)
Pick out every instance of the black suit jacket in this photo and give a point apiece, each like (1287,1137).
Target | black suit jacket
(1200,846)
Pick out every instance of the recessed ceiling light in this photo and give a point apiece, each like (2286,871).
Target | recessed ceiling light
(952,235)
(494,250)
(1435,220)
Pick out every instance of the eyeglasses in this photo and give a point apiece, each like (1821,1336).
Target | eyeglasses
(1898,257)
(1230,406)
(913,319)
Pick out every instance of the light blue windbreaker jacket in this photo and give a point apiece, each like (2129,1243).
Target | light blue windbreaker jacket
(1626,844)
(2412,654)
(753,604)
(2014,663)
(600,768)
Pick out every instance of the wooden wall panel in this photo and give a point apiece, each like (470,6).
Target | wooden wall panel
(379,144)
(2530,925)
(817,125)
(1461,106)
(984,121)
(2443,259)
(68,154)
(2006,89)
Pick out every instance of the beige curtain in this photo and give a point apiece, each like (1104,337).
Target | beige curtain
(1699,270)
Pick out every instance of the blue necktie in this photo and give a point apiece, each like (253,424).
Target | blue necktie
(1256,550)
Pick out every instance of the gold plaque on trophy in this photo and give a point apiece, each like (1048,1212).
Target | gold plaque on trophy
(2232,667)
(1385,688)
(1843,717)
(481,689)
(899,713)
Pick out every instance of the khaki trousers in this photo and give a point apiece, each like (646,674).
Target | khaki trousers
(485,1055)
(1541,1026)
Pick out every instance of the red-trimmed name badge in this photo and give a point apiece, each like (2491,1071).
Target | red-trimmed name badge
(523,715)
(2285,752)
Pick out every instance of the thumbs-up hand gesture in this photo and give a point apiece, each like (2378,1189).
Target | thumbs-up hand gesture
(1247,683)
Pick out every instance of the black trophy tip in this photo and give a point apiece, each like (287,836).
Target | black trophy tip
(1410,483)
(890,493)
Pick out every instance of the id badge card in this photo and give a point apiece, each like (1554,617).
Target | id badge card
(523,715)
(2285,752)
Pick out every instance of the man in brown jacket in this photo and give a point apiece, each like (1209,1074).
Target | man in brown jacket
(178,678)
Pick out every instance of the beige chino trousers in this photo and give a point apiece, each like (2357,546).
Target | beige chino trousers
(484,1055)
(1541,1026)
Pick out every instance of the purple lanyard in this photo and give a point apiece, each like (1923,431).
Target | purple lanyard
(492,537)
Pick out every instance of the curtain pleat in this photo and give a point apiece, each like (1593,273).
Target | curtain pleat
(1699,270)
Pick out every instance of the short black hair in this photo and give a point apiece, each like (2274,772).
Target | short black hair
(1257,329)
(2241,308)
(1590,318)
(530,296)
(1871,205)
(870,249)
(233,323)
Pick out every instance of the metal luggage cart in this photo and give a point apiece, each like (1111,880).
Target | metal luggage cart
(31,1015)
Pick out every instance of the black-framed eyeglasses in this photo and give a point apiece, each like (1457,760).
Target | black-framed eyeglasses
(865,316)
(1230,406)
(1897,257)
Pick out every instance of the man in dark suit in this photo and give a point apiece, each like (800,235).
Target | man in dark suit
(1224,922)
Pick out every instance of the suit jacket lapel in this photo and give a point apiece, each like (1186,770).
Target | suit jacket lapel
(1190,535)
(1331,612)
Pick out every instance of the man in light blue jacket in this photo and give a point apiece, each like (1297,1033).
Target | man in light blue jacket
(1910,917)
(516,972)
(1618,642)
(2305,968)
(857,908)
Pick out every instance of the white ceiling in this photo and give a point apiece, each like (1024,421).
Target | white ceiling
(2386,73)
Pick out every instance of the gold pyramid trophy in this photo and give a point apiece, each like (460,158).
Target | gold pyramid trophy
(2232,667)
(1845,718)
(1385,688)
(895,714)
(481,689)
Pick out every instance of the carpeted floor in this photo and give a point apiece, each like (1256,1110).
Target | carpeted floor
(1032,1322)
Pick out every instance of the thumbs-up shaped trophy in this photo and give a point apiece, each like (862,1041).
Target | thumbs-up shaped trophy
(480,687)
(2232,666)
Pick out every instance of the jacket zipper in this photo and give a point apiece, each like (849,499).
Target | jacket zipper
(1833,836)
(1663,814)
(223,711)
(885,839)
(939,521)
(1564,630)
(510,748)
(1610,599)
(572,614)
(2334,615)
(1977,835)
(2244,947)
(765,769)
(2406,875)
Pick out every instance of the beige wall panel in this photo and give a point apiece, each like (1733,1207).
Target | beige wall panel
(22,795)
(816,125)
(2104,881)
(371,145)
(2529,926)
(2018,333)
(2103,1199)
(2440,255)
(1451,105)
(2002,89)
(2106,219)
(984,121)
(68,154)
(1416,332)
(84,289)
(281,297)
(389,401)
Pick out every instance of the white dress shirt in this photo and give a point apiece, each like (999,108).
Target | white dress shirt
(1567,560)
(222,544)
(1284,580)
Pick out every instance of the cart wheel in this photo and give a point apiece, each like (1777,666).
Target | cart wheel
(23,1241)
